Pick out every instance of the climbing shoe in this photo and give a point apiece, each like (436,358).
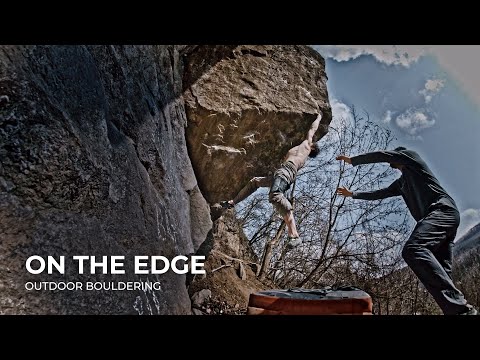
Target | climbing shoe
(471,311)
(293,242)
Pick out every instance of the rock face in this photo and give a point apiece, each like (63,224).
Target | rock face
(246,106)
(93,161)
(231,269)
(96,157)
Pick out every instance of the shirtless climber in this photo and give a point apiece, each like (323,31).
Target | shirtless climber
(280,182)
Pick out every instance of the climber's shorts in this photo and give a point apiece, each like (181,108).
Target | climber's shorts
(283,177)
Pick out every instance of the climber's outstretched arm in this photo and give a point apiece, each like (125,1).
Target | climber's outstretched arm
(313,129)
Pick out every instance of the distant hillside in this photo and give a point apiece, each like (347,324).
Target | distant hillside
(466,265)
(400,292)
(468,241)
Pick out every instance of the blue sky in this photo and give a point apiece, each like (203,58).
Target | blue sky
(429,96)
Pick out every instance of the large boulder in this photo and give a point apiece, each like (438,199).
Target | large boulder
(246,106)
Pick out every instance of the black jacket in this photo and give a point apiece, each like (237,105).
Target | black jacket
(418,186)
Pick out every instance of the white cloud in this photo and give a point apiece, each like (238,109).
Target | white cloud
(460,61)
(413,121)
(389,54)
(468,218)
(342,116)
(387,117)
(341,110)
(432,87)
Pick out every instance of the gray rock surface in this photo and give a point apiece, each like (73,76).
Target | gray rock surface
(93,161)
(201,296)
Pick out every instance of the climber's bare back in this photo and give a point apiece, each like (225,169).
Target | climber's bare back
(298,154)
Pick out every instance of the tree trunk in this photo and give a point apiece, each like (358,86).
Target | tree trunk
(267,254)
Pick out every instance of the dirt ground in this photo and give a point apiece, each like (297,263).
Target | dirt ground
(227,252)
(230,294)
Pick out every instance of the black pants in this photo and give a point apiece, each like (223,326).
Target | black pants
(428,252)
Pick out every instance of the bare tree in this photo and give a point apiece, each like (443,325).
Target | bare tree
(466,270)
(359,236)
(343,240)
